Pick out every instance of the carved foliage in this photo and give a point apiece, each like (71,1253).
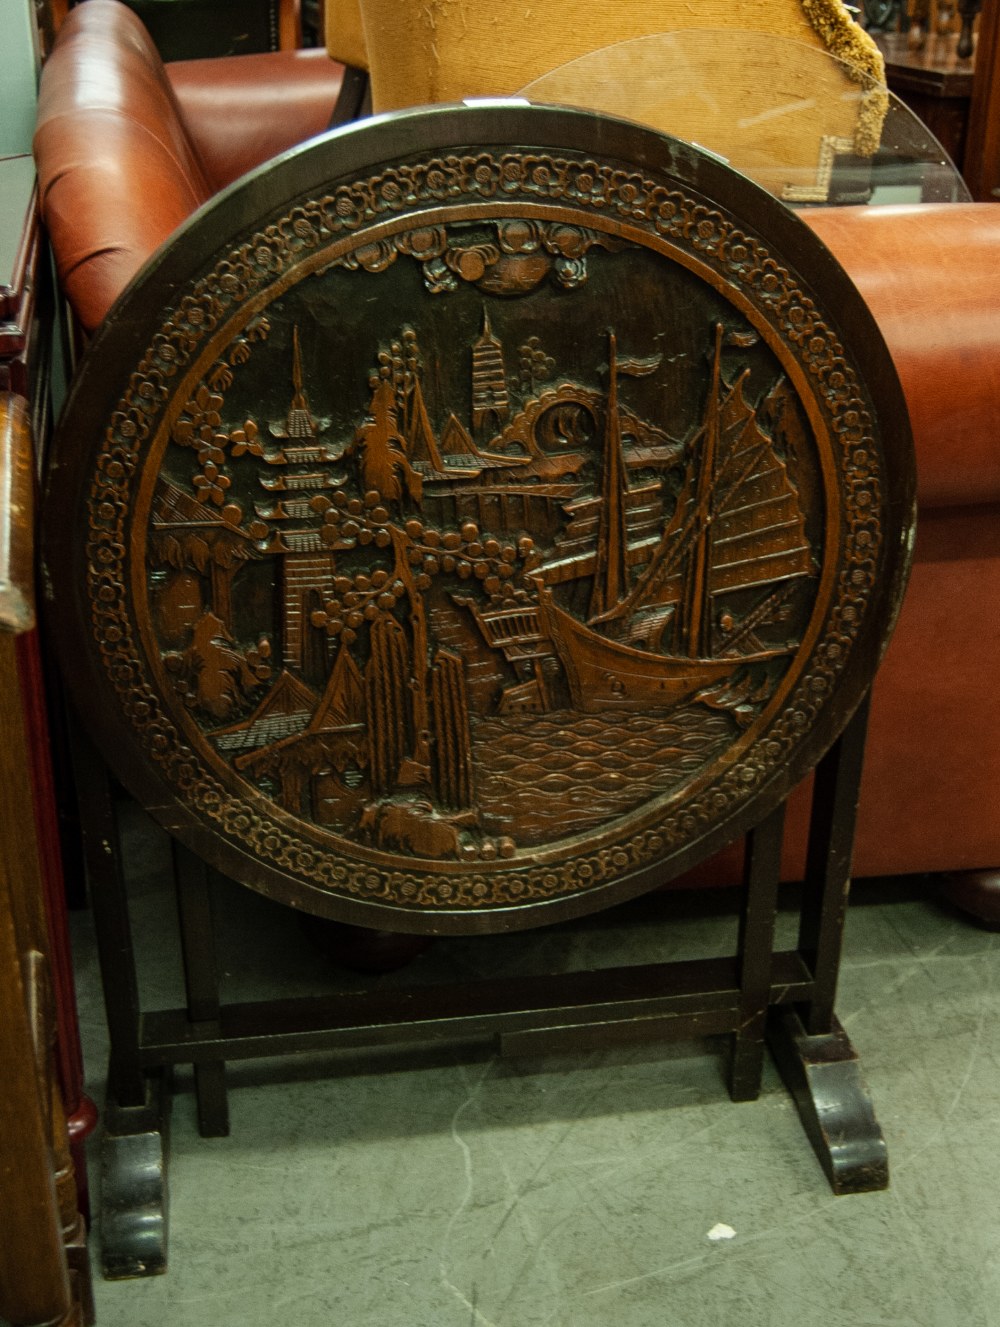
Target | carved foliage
(521,254)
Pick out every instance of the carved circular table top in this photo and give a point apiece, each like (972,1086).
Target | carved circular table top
(476,517)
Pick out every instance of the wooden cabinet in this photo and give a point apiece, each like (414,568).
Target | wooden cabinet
(25,293)
(934,83)
(958,99)
(982,158)
(44,1271)
(43,1258)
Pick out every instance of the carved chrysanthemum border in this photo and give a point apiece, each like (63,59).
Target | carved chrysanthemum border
(478,176)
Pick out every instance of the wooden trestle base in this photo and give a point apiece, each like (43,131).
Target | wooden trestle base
(755,995)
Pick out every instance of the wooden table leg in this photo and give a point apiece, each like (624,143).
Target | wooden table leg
(812,1051)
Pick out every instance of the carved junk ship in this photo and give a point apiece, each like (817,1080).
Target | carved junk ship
(737,525)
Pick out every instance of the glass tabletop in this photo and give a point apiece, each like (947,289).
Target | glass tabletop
(808,127)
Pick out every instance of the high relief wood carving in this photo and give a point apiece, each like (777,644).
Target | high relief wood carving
(483,529)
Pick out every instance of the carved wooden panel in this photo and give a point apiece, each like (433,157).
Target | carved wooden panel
(452,527)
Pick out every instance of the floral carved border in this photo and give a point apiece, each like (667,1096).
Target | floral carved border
(604,190)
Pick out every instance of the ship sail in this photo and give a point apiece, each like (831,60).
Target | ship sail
(421,445)
(737,523)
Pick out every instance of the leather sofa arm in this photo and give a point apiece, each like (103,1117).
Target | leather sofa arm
(931,276)
(121,164)
(17,600)
(242,110)
(116,171)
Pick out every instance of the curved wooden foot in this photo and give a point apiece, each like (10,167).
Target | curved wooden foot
(976,893)
(134,1185)
(823,1076)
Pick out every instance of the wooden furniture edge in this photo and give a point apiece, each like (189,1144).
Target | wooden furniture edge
(17,604)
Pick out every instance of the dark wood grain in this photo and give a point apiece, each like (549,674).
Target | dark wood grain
(982,158)
(34,1272)
(17,533)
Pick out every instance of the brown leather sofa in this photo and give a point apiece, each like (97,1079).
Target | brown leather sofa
(127,149)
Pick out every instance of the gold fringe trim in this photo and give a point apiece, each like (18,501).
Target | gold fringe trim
(849,42)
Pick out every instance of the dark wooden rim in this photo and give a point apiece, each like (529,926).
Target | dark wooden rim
(364,148)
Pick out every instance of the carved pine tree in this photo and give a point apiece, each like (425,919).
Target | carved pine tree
(452,738)
(386,679)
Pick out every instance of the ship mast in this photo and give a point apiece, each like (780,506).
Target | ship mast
(610,573)
(697,605)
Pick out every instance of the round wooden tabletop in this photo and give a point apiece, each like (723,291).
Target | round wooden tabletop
(477,516)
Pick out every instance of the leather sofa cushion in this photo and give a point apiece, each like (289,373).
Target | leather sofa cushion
(242,110)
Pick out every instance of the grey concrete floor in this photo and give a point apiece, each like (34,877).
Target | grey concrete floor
(579,1191)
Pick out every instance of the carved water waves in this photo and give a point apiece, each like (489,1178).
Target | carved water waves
(556,775)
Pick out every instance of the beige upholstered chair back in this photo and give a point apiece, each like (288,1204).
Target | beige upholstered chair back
(344,35)
(444,50)
(740,81)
